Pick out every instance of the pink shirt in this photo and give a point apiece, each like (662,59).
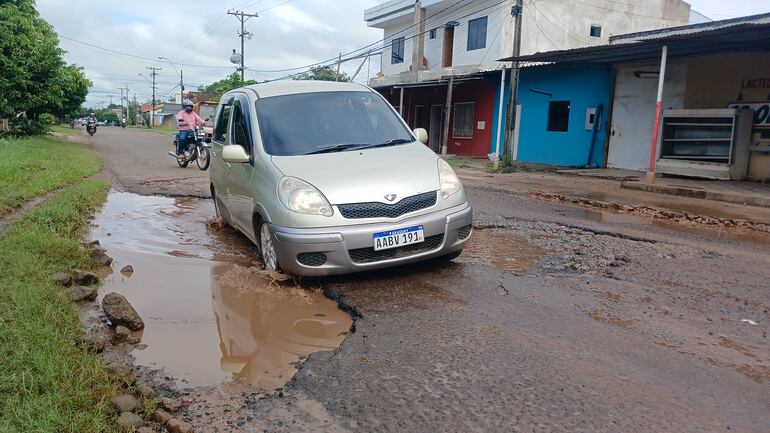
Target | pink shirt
(188,120)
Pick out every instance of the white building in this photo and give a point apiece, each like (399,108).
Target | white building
(471,35)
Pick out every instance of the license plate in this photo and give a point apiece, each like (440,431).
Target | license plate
(398,238)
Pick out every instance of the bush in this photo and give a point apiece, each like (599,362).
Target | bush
(47,119)
(25,128)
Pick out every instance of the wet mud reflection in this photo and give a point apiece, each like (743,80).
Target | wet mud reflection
(211,314)
(502,249)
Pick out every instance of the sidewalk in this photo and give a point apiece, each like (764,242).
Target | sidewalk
(592,189)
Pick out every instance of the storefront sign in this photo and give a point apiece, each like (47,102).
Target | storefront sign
(761,112)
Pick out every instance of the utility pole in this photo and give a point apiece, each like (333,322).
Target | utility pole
(110,99)
(154,73)
(516,11)
(339,62)
(125,87)
(136,107)
(242,17)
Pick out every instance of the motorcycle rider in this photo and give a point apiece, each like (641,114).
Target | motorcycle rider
(188,120)
(91,120)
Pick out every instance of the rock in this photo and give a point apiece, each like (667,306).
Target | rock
(128,421)
(177,426)
(120,312)
(82,293)
(99,255)
(94,341)
(118,362)
(85,278)
(170,404)
(145,430)
(127,270)
(62,279)
(123,335)
(145,391)
(124,403)
(160,416)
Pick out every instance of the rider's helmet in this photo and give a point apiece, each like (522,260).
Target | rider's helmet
(187,105)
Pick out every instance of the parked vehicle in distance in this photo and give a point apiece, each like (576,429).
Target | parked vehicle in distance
(325,178)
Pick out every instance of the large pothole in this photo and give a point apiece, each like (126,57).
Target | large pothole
(212,315)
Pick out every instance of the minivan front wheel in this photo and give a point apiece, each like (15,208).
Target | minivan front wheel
(267,248)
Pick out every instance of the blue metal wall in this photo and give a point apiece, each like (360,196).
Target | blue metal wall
(584,86)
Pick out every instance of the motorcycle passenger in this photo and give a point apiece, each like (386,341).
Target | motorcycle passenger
(188,120)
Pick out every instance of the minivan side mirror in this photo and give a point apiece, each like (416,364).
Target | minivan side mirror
(421,134)
(234,153)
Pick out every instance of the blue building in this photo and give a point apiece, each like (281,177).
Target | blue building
(563,112)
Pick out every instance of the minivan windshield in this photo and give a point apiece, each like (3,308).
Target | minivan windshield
(323,122)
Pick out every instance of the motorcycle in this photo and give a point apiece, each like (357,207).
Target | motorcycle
(196,149)
(91,127)
(123,123)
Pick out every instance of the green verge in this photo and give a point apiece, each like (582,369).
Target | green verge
(47,382)
(33,166)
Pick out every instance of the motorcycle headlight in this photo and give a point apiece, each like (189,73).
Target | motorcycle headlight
(302,197)
(448,180)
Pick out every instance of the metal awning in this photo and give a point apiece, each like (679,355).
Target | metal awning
(749,34)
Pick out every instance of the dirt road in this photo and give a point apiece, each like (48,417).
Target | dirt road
(139,161)
(555,319)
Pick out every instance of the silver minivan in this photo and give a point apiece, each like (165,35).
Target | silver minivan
(326,178)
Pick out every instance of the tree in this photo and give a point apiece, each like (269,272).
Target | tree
(33,76)
(322,73)
(232,81)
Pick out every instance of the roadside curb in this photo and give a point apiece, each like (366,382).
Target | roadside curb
(698,193)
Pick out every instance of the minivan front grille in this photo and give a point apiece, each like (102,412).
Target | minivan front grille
(369,255)
(382,210)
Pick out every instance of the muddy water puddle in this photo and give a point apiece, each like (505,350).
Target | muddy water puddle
(502,249)
(211,314)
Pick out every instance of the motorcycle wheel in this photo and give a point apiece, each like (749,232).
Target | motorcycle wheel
(203,159)
(182,162)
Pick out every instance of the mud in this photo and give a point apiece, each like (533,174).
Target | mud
(502,249)
(212,314)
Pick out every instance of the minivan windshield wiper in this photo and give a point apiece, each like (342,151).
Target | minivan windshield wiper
(335,148)
(392,142)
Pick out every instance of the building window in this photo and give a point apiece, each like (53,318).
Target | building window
(397,51)
(596,31)
(477,33)
(432,34)
(558,116)
(463,120)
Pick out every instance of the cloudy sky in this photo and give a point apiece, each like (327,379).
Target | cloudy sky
(199,33)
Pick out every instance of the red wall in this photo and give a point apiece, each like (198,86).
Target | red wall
(480,91)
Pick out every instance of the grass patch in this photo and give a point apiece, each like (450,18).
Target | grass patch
(457,162)
(61,129)
(47,383)
(33,166)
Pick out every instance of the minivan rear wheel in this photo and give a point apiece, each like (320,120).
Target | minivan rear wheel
(267,248)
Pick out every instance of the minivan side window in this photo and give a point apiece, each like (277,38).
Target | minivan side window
(241,133)
(223,120)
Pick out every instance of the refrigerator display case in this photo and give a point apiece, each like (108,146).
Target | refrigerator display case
(705,143)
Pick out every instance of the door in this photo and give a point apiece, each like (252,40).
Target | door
(633,112)
(219,172)
(241,197)
(434,128)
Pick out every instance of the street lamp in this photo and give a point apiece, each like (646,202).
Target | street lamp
(181,77)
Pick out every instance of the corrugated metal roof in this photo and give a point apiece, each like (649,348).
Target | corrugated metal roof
(745,34)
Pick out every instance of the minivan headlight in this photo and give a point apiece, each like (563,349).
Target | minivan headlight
(302,197)
(448,180)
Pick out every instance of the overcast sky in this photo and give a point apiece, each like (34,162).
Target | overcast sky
(287,34)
